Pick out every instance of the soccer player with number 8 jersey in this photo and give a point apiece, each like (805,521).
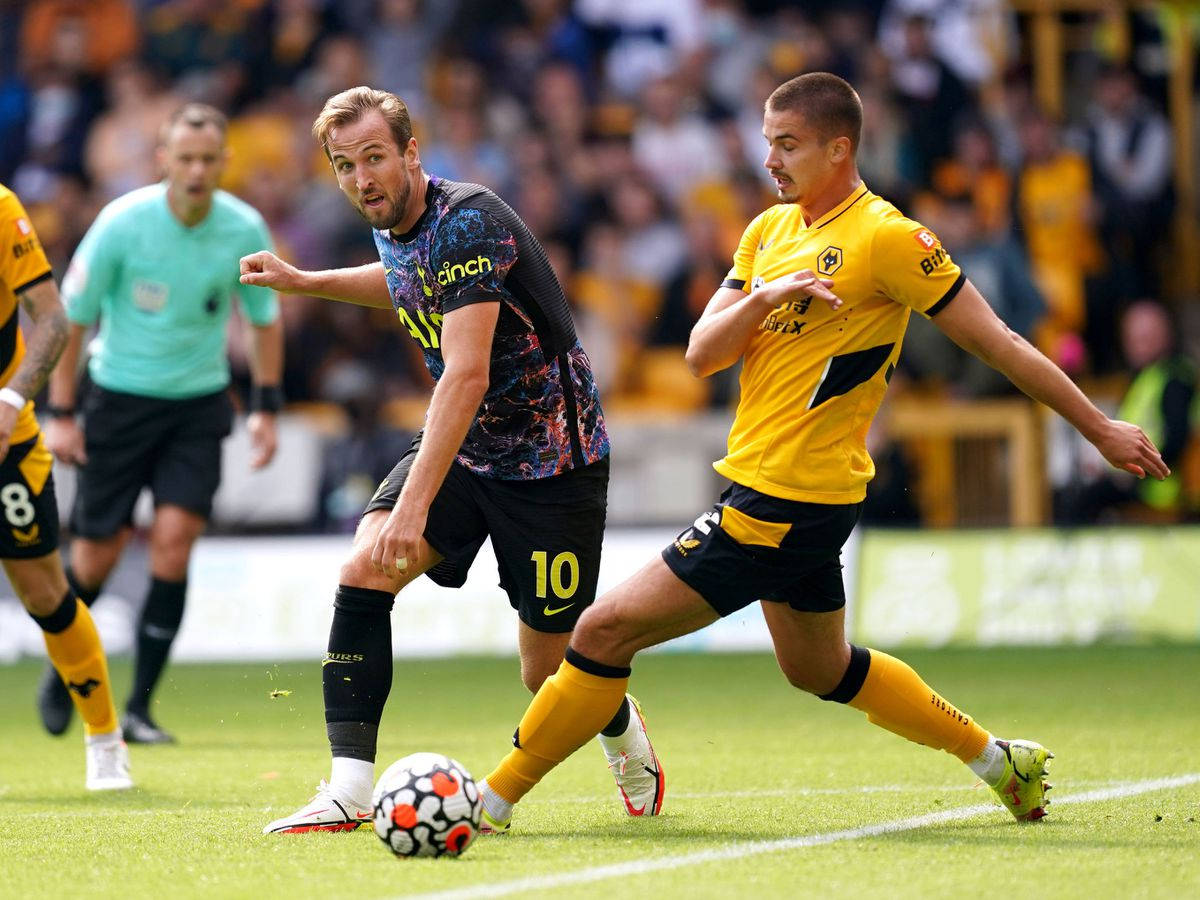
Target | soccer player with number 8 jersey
(29,530)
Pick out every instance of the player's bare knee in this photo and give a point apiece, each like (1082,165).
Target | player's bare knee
(533,675)
(41,602)
(816,674)
(602,633)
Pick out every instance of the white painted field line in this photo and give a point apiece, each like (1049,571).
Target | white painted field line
(753,848)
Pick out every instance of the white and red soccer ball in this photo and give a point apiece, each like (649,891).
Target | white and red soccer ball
(426,804)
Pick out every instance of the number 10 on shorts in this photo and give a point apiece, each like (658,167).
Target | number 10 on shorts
(564,563)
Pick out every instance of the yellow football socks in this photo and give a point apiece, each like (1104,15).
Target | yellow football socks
(78,655)
(896,698)
(568,711)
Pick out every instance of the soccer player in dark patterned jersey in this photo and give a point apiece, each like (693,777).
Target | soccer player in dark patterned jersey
(815,307)
(513,447)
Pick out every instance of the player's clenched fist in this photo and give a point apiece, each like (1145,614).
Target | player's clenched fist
(268,270)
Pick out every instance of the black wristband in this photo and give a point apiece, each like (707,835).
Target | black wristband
(60,412)
(266,398)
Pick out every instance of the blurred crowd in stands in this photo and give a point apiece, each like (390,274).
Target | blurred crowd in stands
(627,134)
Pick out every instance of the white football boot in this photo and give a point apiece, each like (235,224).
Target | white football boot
(639,775)
(324,812)
(107,763)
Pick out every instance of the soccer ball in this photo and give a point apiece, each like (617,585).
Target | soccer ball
(426,804)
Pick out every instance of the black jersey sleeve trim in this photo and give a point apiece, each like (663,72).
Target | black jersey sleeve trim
(49,273)
(738,284)
(948,296)
(469,296)
(568,389)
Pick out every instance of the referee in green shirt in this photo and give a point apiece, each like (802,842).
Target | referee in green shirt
(157,273)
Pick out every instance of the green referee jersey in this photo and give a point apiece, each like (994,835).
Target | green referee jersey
(163,292)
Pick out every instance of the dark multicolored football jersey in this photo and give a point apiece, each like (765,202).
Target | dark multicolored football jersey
(541,414)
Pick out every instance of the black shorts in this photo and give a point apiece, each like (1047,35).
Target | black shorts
(546,534)
(754,547)
(171,446)
(27,502)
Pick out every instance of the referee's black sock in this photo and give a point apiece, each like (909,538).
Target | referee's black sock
(87,594)
(156,632)
(357,670)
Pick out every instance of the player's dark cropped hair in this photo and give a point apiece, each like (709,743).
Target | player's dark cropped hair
(194,115)
(351,105)
(827,102)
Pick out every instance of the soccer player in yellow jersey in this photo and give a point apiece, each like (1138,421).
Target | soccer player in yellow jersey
(29,526)
(815,306)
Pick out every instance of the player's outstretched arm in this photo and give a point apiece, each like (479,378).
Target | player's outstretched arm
(361,285)
(970,322)
(719,338)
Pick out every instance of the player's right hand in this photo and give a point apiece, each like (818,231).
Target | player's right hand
(64,438)
(1127,447)
(800,284)
(265,269)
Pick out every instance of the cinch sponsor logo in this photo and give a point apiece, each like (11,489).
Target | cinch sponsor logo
(451,273)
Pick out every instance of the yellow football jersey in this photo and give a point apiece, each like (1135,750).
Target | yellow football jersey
(812,378)
(22,263)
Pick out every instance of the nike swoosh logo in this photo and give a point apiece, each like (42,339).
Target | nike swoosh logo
(762,246)
(363,815)
(547,611)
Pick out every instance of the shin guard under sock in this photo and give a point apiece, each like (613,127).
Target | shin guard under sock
(76,652)
(568,711)
(895,697)
(356,673)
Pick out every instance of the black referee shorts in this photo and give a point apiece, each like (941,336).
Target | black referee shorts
(171,446)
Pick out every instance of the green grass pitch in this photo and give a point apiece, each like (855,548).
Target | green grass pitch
(748,760)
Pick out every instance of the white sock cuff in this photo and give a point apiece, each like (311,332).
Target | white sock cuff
(353,779)
(108,737)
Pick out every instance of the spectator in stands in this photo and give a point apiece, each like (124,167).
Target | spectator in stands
(1056,214)
(91,35)
(672,142)
(1162,400)
(120,149)
(1129,144)
(930,94)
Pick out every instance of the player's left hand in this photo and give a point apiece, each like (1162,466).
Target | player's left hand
(8,421)
(1127,447)
(398,544)
(263,438)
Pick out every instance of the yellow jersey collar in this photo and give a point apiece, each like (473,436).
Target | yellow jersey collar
(855,195)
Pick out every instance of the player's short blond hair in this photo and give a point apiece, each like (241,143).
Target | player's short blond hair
(351,105)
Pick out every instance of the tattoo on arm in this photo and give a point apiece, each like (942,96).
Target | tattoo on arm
(45,342)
